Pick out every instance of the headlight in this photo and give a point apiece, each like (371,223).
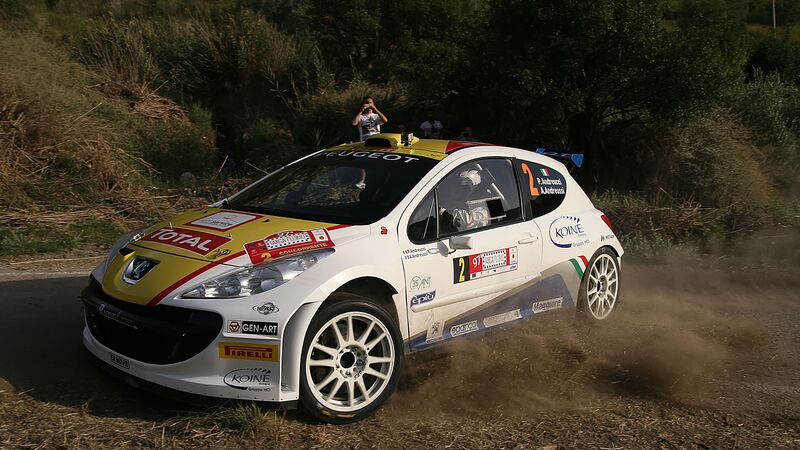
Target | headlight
(263,277)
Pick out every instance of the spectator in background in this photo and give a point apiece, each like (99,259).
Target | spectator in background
(466,135)
(369,119)
(431,128)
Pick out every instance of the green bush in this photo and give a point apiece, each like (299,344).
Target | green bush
(173,149)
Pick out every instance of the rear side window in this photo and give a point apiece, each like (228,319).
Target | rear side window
(544,187)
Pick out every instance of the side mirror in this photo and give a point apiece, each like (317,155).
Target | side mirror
(460,243)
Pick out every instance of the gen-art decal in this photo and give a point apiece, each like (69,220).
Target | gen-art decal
(473,267)
(287,243)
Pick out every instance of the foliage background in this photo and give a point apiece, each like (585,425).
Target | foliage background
(688,111)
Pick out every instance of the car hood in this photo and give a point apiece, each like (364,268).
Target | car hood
(185,246)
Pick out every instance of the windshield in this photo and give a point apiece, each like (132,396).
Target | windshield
(338,186)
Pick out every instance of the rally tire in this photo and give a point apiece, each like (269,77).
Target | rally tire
(346,375)
(600,287)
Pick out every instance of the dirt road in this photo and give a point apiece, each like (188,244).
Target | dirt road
(693,359)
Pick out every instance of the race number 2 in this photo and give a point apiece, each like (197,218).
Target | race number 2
(480,265)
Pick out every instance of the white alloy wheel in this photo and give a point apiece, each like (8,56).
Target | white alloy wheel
(350,361)
(602,286)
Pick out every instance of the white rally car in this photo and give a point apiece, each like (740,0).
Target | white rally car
(312,283)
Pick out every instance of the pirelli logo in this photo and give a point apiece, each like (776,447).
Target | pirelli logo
(254,352)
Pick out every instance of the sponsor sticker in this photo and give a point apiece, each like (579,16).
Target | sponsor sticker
(547,305)
(607,237)
(198,242)
(112,313)
(423,298)
(287,243)
(266,308)
(234,326)
(253,352)
(498,319)
(420,282)
(434,332)
(253,379)
(464,328)
(473,267)
(223,220)
(262,328)
(568,232)
(120,361)
(374,155)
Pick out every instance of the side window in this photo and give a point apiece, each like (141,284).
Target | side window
(546,187)
(422,226)
(478,194)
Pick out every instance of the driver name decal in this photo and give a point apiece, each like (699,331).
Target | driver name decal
(198,242)
(473,267)
(287,243)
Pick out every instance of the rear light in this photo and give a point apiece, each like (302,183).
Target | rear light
(607,221)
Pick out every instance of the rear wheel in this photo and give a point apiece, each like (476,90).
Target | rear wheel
(599,292)
(351,360)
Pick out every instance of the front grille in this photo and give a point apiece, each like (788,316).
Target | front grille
(158,334)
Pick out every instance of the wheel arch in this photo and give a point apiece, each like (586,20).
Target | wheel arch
(373,288)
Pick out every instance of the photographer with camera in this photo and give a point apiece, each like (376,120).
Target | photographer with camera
(369,119)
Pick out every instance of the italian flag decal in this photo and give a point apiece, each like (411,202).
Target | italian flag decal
(545,172)
(579,264)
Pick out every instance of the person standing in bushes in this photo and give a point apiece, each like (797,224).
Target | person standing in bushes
(432,128)
(369,119)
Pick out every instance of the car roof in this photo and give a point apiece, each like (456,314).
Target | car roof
(437,149)
(429,148)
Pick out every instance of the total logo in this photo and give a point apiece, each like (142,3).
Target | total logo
(567,232)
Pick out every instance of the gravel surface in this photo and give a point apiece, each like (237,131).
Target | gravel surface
(693,358)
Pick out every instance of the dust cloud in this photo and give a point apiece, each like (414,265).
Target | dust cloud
(677,336)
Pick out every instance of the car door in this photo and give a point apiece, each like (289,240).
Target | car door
(465,243)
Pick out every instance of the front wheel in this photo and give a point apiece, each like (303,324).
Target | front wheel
(599,291)
(351,360)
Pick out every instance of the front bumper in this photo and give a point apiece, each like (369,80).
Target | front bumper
(177,348)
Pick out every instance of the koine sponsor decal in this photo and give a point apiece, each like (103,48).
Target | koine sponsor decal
(547,305)
(252,379)
(473,267)
(120,361)
(266,309)
(287,243)
(254,352)
(567,232)
(464,328)
(198,242)
(423,298)
(223,220)
(498,319)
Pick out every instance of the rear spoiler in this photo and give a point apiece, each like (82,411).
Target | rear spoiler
(574,158)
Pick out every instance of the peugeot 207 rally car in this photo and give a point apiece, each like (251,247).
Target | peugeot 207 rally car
(311,284)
